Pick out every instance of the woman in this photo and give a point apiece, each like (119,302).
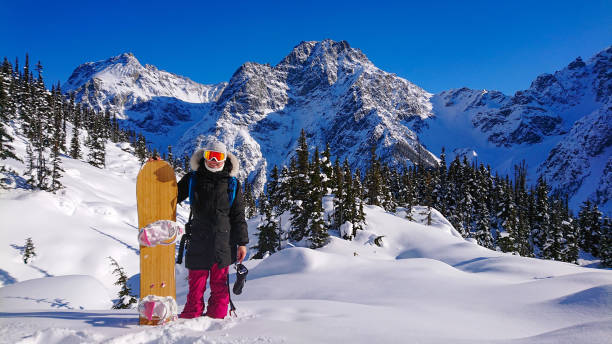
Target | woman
(217,227)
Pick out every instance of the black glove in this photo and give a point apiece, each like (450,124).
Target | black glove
(241,274)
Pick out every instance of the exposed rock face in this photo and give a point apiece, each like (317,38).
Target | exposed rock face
(334,93)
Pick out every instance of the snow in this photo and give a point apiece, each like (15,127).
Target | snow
(425,284)
(61,292)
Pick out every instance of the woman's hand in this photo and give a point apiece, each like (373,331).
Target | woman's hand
(242,250)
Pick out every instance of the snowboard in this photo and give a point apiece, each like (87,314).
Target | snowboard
(156,195)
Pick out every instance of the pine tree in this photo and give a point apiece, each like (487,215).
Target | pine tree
(555,241)
(509,216)
(28,251)
(96,144)
(75,145)
(327,170)
(283,197)
(482,218)
(374,180)
(140,148)
(590,227)
(359,219)
(317,229)
(6,112)
(606,243)
(339,196)
(387,197)
(126,299)
(300,215)
(268,231)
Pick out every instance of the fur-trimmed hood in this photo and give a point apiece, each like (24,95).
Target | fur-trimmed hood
(199,154)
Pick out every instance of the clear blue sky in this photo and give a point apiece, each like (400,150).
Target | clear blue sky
(436,44)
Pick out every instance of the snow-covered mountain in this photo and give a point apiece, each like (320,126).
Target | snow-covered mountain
(327,88)
(157,102)
(337,95)
(561,126)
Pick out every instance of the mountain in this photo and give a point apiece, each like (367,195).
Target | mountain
(561,126)
(157,102)
(338,96)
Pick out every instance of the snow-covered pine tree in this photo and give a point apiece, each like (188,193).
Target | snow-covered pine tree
(482,217)
(359,219)
(7,111)
(589,219)
(140,148)
(555,242)
(542,220)
(373,180)
(317,229)
(509,217)
(522,243)
(284,194)
(570,233)
(58,143)
(28,250)
(453,201)
(300,215)
(387,188)
(249,200)
(96,143)
(439,185)
(75,145)
(126,299)
(606,243)
(348,199)
(339,196)
(268,231)
(327,170)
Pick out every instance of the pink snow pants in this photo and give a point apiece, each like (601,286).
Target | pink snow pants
(219,293)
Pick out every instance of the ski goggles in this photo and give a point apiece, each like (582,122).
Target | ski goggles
(210,155)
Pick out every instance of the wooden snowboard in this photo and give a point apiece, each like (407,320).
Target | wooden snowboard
(156,194)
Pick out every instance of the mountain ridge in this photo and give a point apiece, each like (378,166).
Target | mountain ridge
(338,96)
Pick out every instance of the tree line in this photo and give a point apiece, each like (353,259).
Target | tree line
(498,212)
(53,124)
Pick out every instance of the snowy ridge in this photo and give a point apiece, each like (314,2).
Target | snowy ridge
(560,126)
(338,96)
(157,102)
(328,88)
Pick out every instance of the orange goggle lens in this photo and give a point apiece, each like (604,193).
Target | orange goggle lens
(210,155)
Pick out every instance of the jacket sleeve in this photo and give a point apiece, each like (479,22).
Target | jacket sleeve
(239,232)
(183,189)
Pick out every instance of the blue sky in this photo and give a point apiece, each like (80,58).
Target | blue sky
(435,44)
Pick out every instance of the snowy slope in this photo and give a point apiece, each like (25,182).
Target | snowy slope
(425,284)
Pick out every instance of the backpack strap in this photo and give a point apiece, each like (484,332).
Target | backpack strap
(187,236)
(232,185)
(191,178)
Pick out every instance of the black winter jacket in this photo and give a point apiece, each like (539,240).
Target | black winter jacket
(217,229)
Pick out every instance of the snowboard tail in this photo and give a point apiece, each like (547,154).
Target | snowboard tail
(156,196)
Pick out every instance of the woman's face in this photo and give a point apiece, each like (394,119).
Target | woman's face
(214,164)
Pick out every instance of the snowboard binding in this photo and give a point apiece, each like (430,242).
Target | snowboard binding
(241,274)
(162,232)
(158,309)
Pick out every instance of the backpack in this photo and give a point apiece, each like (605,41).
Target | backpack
(232,185)
(231,189)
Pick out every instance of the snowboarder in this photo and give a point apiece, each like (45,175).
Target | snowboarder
(217,229)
